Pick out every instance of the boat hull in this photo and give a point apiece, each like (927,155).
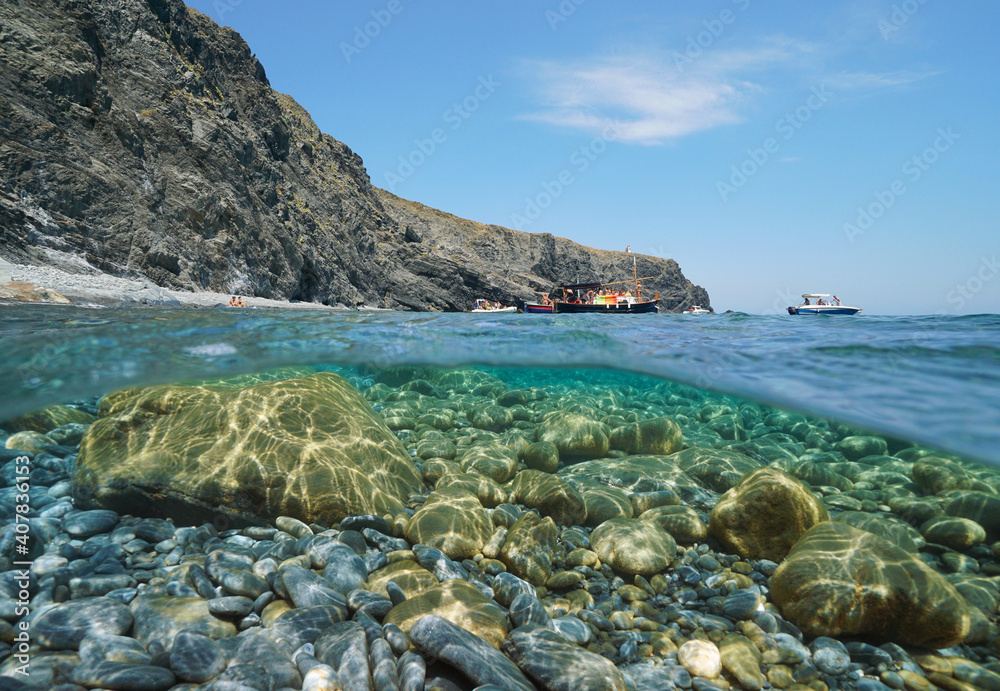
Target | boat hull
(537,308)
(823,309)
(643,307)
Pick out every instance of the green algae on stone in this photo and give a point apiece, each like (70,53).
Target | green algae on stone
(527,551)
(630,471)
(633,546)
(981,507)
(604,503)
(453,521)
(765,514)
(489,493)
(839,580)
(682,522)
(309,447)
(935,475)
(895,530)
(543,456)
(953,532)
(461,603)
(410,576)
(575,435)
(657,436)
(492,460)
(32,442)
(47,419)
(717,469)
(551,495)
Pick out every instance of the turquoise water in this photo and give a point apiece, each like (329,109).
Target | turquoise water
(933,379)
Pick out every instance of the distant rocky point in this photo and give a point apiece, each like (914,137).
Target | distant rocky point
(145,139)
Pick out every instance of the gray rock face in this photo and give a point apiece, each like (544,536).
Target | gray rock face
(175,158)
(473,656)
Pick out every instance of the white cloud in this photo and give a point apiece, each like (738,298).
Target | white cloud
(650,98)
(877,80)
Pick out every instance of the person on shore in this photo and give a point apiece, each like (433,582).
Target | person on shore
(240,303)
(232,302)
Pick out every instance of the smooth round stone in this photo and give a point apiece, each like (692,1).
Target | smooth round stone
(526,609)
(236,606)
(700,658)
(293,526)
(564,580)
(954,532)
(830,656)
(307,589)
(780,676)
(92,586)
(796,651)
(243,583)
(370,603)
(154,530)
(631,593)
(595,619)
(741,604)
(581,557)
(66,624)
(123,676)
(507,586)
(158,619)
(543,456)
(84,524)
(345,570)
(633,546)
(573,630)
(398,641)
(196,658)
(97,647)
(396,594)
(46,564)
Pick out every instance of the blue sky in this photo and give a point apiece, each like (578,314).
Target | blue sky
(770,148)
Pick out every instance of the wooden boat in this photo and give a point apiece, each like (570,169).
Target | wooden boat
(599,298)
(537,308)
(821,307)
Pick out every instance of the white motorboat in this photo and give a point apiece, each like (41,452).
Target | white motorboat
(825,304)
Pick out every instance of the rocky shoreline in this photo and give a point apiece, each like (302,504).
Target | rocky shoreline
(81,284)
(526,533)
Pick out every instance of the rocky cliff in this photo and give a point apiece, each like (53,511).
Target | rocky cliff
(143,137)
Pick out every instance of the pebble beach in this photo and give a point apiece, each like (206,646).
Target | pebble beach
(486,530)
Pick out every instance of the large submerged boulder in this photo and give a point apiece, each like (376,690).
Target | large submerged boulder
(765,514)
(308,447)
(839,580)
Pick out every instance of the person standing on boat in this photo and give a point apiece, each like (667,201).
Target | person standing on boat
(836,300)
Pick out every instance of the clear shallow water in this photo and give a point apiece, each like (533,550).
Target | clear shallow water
(933,379)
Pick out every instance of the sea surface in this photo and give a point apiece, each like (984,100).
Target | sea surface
(732,438)
(928,379)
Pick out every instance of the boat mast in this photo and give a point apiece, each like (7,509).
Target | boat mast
(635,277)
